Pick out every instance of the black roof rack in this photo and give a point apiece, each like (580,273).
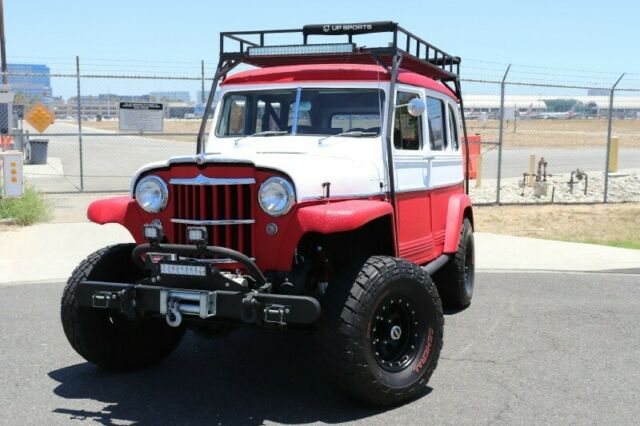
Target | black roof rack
(419,56)
(415,54)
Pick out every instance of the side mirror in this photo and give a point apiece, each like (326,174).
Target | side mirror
(416,107)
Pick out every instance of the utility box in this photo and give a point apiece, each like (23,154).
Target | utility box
(12,174)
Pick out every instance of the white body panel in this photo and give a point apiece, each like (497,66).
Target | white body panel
(354,166)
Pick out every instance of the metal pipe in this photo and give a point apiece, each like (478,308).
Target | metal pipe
(186,249)
(500,134)
(79,123)
(3,52)
(609,125)
(466,136)
(223,68)
(202,81)
(436,264)
(395,66)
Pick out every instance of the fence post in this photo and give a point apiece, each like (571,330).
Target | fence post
(609,124)
(202,97)
(79,124)
(500,134)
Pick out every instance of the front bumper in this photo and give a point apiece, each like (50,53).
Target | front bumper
(208,295)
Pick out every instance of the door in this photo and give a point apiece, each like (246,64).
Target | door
(412,201)
(444,172)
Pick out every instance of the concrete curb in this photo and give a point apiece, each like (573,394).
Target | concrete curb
(50,252)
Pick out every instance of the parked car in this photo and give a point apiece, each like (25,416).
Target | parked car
(329,197)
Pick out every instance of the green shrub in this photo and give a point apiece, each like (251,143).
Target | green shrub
(27,210)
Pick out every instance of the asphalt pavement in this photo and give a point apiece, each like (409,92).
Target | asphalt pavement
(533,348)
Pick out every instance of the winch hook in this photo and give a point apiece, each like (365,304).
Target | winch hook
(173,316)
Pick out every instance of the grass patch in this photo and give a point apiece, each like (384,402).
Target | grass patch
(616,225)
(29,209)
(621,244)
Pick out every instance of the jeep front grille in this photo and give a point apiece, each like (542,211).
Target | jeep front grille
(223,206)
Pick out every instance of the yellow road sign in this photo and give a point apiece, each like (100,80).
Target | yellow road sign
(40,117)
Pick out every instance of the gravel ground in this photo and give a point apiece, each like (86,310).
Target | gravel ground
(623,187)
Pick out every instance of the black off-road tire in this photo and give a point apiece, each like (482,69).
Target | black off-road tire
(455,280)
(104,337)
(354,318)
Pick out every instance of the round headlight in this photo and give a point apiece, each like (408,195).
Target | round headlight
(276,196)
(152,194)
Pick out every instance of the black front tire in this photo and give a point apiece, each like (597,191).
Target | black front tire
(356,332)
(456,279)
(107,338)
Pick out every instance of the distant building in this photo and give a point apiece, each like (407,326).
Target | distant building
(199,97)
(598,92)
(596,106)
(178,110)
(30,82)
(178,96)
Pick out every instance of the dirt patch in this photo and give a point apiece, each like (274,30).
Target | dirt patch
(573,133)
(617,224)
(170,126)
(576,133)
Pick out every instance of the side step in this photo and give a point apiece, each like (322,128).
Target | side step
(433,266)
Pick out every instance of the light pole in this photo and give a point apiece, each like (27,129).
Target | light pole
(3,52)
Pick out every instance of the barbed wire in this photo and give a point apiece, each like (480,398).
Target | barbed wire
(485,72)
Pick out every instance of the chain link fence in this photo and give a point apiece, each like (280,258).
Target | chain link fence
(540,141)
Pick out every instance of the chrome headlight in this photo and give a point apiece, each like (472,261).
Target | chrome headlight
(276,196)
(152,194)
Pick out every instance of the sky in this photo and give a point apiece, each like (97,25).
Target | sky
(580,42)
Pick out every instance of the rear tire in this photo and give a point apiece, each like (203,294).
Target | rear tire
(107,338)
(381,330)
(456,279)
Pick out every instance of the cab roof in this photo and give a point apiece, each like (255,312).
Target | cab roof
(332,73)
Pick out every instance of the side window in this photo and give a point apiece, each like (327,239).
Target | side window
(453,128)
(234,112)
(435,114)
(407,129)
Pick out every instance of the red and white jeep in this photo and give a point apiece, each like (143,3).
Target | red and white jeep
(329,197)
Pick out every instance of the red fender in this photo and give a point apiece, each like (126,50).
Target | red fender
(327,218)
(122,210)
(341,216)
(455,215)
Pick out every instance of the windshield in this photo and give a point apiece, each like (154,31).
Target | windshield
(321,112)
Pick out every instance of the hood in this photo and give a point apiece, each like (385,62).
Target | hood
(348,177)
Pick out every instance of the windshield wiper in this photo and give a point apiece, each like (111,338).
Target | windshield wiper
(350,133)
(264,133)
(356,133)
(268,133)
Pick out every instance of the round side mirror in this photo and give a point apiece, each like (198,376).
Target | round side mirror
(416,107)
